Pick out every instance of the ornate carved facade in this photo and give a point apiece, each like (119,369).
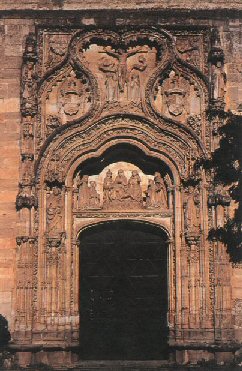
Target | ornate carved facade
(112,125)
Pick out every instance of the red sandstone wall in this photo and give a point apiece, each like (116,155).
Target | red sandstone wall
(12,34)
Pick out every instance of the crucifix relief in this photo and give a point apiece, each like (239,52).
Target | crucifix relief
(122,78)
(121,66)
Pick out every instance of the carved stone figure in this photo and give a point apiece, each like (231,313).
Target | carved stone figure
(83,192)
(134,94)
(29,78)
(29,102)
(120,187)
(160,191)
(191,214)
(218,80)
(111,83)
(88,197)
(134,189)
(108,186)
(150,194)
(94,198)
(30,48)
(121,55)
(134,87)
(54,213)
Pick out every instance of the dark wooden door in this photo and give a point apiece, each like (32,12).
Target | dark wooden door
(123,298)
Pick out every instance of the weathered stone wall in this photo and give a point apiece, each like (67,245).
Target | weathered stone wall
(117,4)
(15,26)
(12,35)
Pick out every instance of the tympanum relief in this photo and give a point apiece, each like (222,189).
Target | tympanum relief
(121,186)
(122,71)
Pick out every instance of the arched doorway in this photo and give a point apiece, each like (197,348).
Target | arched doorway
(123,291)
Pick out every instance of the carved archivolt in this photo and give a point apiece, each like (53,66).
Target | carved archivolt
(112,130)
(85,94)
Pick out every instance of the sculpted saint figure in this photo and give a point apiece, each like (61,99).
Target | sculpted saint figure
(150,194)
(218,81)
(108,189)
(120,186)
(191,213)
(134,188)
(94,198)
(160,191)
(54,214)
(83,192)
(134,79)
(111,83)
(122,56)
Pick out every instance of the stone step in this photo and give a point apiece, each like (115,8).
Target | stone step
(144,366)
